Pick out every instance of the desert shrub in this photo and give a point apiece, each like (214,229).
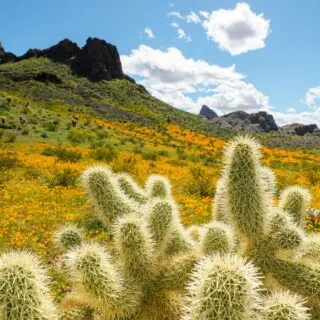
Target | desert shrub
(200,183)
(106,154)
(64,178)
(10,137)
(149,155)
(64,154)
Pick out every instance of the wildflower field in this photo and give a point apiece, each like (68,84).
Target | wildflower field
(45,148)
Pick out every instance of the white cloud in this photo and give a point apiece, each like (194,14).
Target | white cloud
(304,117)
(188,84)
(175,14)
(204,14)
(311,97)
(173,78)
(182,35)
(192,18)
(174,25)
(149,33)
(238,30)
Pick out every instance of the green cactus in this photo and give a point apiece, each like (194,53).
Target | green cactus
(129,187)
(99,284)
(224,287)
(158,187)
(217,237)
(24,292)
(109,201)
(295,201)
(283,305)
(246,201)
(68,236)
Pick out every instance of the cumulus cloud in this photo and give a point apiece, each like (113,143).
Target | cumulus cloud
(174,25)
(238,30)
(149,33)
(188,84)
(311,97)
(192,17)
(304,117)
(182,35)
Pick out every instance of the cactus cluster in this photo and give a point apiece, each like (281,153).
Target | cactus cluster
(254,260)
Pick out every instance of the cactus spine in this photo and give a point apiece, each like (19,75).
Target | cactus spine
(24,292)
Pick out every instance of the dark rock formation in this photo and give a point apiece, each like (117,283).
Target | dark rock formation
(6,56)
(207,113)
(241,120)
(265,121)
(98,60)
(63,52)
(300,129)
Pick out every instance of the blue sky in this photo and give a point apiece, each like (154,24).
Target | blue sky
(255,55)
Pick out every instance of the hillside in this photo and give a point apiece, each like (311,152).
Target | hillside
(55,123)
(90,80)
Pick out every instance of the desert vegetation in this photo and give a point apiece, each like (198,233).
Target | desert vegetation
(138,256)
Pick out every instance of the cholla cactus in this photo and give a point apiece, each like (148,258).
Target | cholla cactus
(246,202)
(129,187)
(156,269)
(223,287)
(68,236)
(24,292)
(217,237)
(158,187)
(283,305)
(295,201)
(109,201)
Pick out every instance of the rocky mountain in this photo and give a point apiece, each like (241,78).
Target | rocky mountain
(256,122)
(300,129)
(207,113)
(97,60)
(241,120)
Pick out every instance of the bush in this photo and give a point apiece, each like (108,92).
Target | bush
(65,178)
(106,154)
(64,154)
(200,183)
(149,156)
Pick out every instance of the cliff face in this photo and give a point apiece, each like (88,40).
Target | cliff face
(97,60)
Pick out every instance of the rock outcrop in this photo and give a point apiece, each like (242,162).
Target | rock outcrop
(241,120)
(6,56)
(207,113)
(97,60)
(300,129)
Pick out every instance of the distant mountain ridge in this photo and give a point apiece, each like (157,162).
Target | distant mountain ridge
(255,122)
(57,73)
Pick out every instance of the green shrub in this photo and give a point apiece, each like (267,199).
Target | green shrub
(64,178)
(106,154)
